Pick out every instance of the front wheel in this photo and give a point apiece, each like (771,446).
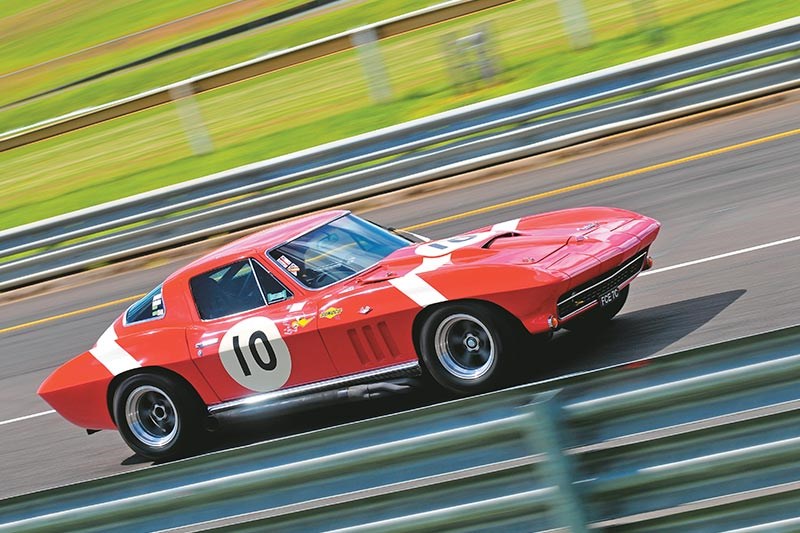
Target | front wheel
(466,348)
(157,417)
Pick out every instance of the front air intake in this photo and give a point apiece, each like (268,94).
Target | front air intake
(587,294)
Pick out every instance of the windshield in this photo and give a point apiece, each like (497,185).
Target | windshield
(336,251)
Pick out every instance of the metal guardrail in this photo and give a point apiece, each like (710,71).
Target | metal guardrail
(705,439)
(339,42)
(553,116)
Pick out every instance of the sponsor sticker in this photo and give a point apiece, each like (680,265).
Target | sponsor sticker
(287,263)
(331,312)
(298,323)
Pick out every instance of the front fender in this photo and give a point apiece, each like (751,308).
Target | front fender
(525,291)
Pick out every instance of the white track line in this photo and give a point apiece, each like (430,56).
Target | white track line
(649,272)
(27,417)
(722,256)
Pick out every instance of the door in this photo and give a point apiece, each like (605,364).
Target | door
(368,329)
(252,335)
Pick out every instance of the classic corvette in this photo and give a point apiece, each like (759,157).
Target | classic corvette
(331,306)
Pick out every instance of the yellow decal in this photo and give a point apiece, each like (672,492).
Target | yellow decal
(302,322)
(292,327)
(331,312)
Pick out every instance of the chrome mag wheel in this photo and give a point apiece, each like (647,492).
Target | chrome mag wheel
(464,346)
(151,416)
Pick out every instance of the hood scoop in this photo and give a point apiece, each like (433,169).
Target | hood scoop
(488,244)
(526,246)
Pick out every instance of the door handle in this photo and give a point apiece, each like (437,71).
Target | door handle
(207,342)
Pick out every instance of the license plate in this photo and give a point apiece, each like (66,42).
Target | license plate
(609,297)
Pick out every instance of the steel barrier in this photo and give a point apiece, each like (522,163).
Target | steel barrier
(705,440)
(640,93)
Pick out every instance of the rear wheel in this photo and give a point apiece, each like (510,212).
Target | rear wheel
(598,317)
(157,417)
(466,348)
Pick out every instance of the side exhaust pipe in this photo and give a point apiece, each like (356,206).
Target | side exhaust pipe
(293,404)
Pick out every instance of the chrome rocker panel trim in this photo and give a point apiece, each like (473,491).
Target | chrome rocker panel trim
(352,387)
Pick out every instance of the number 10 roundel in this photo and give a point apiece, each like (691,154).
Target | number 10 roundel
(255,356)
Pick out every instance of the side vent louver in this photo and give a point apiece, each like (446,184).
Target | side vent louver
(359,348)
(387,338)
(373,344)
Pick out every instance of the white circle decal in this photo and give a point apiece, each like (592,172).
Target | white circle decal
(446,246)
(255,356)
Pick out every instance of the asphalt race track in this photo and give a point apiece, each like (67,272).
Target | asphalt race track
(734,195)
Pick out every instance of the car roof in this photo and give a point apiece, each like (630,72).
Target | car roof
(259,241)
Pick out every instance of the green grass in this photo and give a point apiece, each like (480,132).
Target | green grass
(45,29)
(48,43)
(327,99)
(206,58)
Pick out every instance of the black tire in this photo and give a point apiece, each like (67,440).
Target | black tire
(598,317)
(467,348)
(157,417)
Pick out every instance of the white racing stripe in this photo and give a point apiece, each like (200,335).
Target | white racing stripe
(508,225)
(425,294)
(429,264)
(111,355)
(417,288)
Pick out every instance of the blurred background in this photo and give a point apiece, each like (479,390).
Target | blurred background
(59,56)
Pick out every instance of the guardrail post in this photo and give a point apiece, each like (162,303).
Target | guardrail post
(546,435)
(366,43)
(576,23)
(192,120)
(470,58)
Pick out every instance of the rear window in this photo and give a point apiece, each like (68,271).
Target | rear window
(150,307)
(235,288)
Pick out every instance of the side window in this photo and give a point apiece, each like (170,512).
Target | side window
(226,291)
(150,307)
(274,291)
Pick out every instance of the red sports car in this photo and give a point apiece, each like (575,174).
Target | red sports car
(331,306)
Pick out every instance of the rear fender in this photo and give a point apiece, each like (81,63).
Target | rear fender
(167,348)
(77,391)
(118,379)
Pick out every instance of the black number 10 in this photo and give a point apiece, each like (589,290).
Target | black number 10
(271,361)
